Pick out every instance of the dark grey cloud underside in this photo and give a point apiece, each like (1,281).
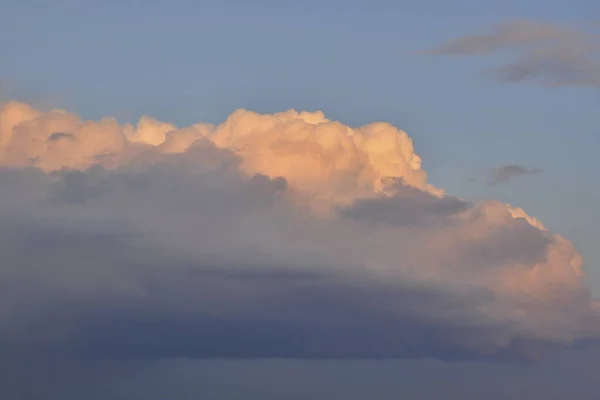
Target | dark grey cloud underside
(109,289)
(203,310)
(407,207)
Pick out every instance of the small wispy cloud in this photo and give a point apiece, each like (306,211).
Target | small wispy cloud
(547,54)
(505,173)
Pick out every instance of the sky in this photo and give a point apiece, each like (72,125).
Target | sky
(182,230)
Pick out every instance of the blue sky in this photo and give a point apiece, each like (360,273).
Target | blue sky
(188,61)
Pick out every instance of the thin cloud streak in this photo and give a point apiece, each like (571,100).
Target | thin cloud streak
(547,54)
(506,173)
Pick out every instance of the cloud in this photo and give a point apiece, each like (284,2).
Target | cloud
(405,206)
(506,173)
(284,235)
(547,54)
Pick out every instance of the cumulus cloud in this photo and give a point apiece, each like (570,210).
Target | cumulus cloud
(547,53)
(283,235)
(505,173)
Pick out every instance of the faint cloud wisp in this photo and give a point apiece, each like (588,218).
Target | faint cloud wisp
(547,54)
(505,173)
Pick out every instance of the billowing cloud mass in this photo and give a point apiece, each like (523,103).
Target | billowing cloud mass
(506,173)
(547,53)
(284,235)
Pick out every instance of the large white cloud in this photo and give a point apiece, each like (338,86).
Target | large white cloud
(268,235)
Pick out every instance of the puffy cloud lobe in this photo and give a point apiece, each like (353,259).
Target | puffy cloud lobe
(209,241)
(323,157)
(57,139)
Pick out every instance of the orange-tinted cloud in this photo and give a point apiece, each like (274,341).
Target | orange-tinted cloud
(284,235)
